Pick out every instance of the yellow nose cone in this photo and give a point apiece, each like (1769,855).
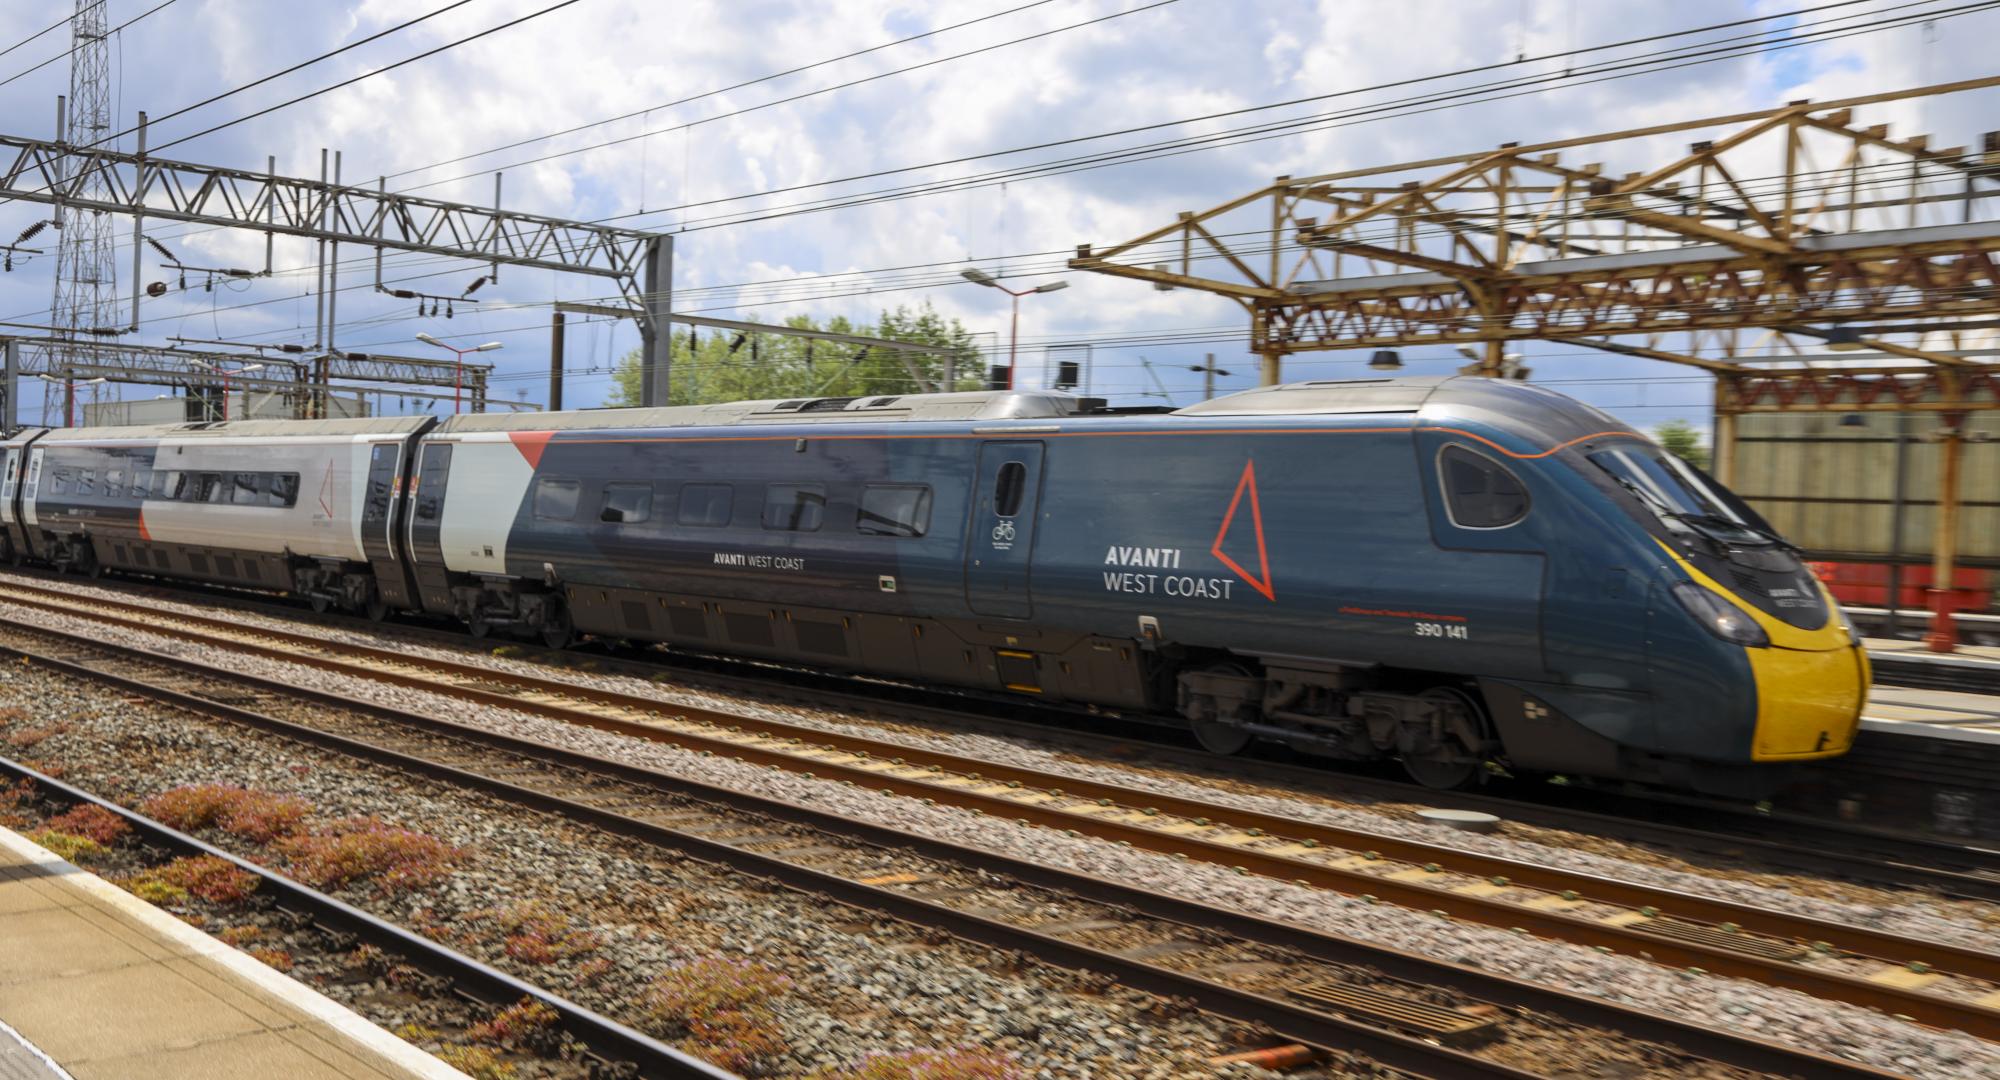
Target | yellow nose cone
(1808,703)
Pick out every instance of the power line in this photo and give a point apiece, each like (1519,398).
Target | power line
(368,74)
(1184,121)
(723,90)
(281,74)
(815,93)
(1072,165)
(64,21)
(1288,128)
(73,48)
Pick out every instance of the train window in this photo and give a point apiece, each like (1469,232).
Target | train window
(284,489)
(243,488)
(794,507)
(555,500)
(1479,492)
(59,482)
(209,488)
(170,484)
(114,483)
(1009,487)
(142,483)
(894,510)
(86,481)
(626,504)
(705,506)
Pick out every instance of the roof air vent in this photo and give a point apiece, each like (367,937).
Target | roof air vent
(826,404)
(787,406)
(881,402)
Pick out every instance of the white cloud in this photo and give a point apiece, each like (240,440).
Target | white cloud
(607,57)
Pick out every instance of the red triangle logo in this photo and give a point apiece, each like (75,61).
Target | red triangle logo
(531,444)
(1262,580)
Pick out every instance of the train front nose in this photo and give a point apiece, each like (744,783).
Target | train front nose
(1809,698)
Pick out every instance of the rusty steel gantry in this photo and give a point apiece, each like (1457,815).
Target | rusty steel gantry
(1807,259)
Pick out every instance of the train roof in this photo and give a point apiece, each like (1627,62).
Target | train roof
(872,408)
(243,429)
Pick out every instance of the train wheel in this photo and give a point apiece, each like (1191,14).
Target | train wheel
(319,603)
(376,608)
(1451,765)
(1218,736)
(477,626)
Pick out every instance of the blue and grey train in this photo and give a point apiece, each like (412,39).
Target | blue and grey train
(1460,574)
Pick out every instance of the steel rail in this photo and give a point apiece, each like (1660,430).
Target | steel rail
(1891,857)
(611,1041)
(1881,856)
(1636,939)
(1320,1030)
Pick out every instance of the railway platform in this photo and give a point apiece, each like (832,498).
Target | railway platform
(95,983)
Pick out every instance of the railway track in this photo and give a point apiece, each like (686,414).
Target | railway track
(617,1050)
(1936,983)
(1704,829)
(1354,1004)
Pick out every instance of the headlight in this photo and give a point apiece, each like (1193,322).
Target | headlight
(1722,618)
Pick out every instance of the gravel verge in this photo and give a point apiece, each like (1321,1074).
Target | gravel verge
(625,913)
(1763,1011)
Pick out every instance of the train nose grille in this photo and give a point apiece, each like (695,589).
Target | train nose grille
(1749,583)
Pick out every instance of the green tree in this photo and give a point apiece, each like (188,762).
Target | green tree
(721,365)
(1682,440)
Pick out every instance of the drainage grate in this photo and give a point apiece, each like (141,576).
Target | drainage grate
(1447,1025)
(1717,938)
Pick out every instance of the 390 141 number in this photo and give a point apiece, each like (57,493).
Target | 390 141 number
(1448,631)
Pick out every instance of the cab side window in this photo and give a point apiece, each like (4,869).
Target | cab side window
(1479,492)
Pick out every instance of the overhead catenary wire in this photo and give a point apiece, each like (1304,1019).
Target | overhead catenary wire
(425,55)
(57,25)
(723,309)
(72,49)
(1758,42)
(301,65)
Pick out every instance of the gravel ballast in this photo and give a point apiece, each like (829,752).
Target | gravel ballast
(860,985)
(1763,1011)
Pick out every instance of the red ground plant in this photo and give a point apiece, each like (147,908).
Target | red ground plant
(368,849)
(724,1007)
(92,821)
(209,877)
(258,816)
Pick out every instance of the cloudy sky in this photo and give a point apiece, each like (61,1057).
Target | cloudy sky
(697,116)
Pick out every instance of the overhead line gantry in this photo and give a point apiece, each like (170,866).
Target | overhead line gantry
(1809,259)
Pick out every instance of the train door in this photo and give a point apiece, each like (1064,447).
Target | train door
(30,492)
(12,542)
(426,516)
(1001,543)
(378,522)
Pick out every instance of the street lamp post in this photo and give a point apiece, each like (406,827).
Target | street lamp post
(981,277)
(458,377)
(69,383)
(226,374)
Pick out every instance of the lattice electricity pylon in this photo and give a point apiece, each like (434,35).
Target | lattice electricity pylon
(1801,224)
(86,278)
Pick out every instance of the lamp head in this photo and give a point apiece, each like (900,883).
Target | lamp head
(429,340)
(978,276)
(488,347)
(1052,286)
